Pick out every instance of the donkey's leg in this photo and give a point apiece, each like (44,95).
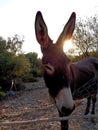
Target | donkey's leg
(94,99)
(64,124)
(88,105)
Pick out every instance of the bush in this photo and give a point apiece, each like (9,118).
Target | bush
(2,93)
(29,78)
(5,83)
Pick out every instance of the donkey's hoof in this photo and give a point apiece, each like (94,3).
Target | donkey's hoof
(86,112)
(93,112)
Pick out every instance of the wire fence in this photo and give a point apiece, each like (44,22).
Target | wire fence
(49,119)
(87,89)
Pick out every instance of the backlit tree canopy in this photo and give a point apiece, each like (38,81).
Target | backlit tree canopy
(86,35)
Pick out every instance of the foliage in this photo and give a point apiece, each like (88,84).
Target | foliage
(2,93)
(75,58)
(36,66)
(86,36)
(21,65)
(14,65)
(2,45)
(29,78)
(14,44)
(12,62)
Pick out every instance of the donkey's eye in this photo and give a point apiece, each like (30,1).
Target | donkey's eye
(48,67)
(45,61)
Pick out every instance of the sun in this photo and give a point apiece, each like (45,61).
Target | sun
(67,45)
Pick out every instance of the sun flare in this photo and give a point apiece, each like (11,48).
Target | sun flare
(67,45)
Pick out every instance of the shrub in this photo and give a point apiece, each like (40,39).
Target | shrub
(29,78)
(2,93)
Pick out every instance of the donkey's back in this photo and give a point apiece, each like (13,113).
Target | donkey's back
(84,70)
(87,68)
(88,62)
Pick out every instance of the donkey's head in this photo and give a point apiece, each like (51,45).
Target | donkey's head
(56,63)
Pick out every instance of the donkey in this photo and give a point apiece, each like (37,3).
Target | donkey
(63,78)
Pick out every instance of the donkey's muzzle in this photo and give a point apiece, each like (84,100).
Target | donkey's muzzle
(64,101)
(67,111)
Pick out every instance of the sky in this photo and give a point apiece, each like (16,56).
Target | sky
(18,17)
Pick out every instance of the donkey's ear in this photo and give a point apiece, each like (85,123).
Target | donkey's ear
(41,31)
(68,30)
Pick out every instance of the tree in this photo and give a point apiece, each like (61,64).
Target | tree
(36,66)
(85,36)
(14,44)
(21,65)
(93,24)
(2,45)
(12,62)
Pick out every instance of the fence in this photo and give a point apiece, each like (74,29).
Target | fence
(49,119)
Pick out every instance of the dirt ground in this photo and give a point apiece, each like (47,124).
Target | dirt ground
(34,103)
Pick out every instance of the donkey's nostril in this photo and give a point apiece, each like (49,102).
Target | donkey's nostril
(67,111)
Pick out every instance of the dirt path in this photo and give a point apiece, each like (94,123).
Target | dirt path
(34,103)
